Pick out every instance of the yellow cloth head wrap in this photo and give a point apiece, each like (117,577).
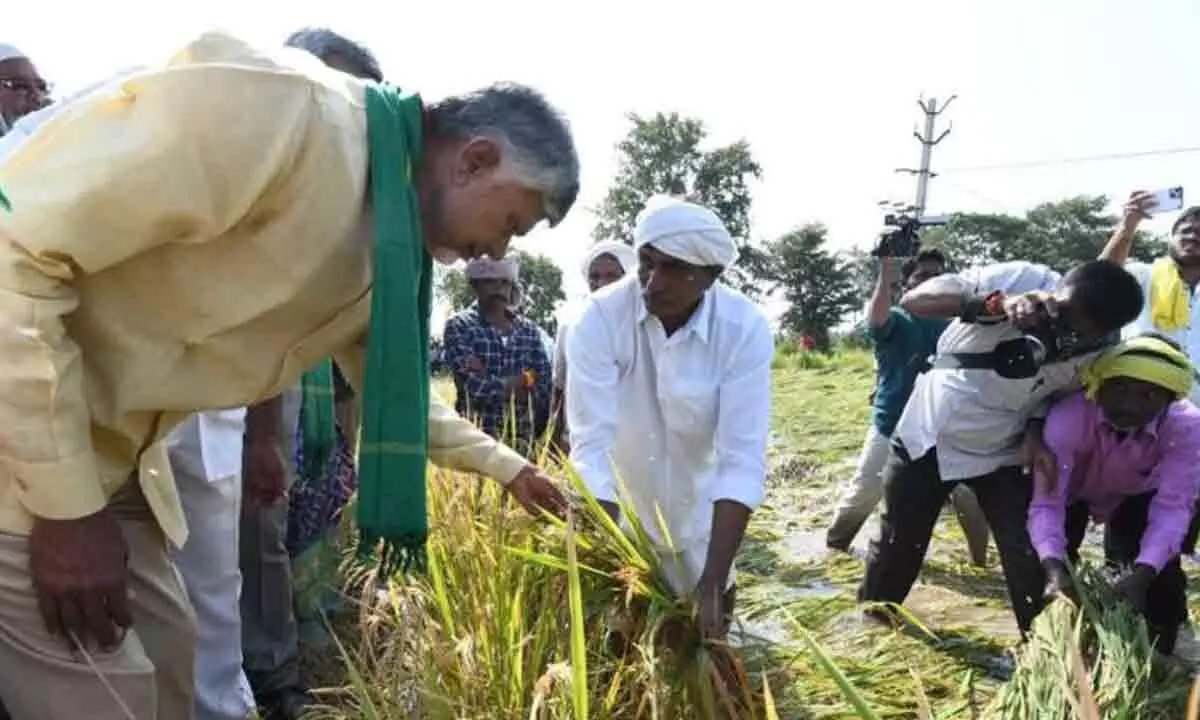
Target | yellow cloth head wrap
(1169,309)
(1142,358)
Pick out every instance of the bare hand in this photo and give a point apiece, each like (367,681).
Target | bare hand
(473,364)
(1030,310)
(79,573)
(516,388)
(1058,581)
(1137,208)
(710,609)
(536,491)
(1134,587)
(264,474)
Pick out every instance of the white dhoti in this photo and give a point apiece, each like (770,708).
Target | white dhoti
(206,458)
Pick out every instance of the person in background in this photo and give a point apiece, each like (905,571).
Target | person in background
(500,365)
(903,345)
(23,91)
(294,502)
(975,417)
(605,263)
(669,384)
(228,243)
(1170,286)
(1127,448)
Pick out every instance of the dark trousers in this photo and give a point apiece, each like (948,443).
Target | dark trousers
(1166,599)
(1189,543)
(913,494)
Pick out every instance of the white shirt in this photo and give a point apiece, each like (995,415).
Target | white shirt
(1188,337)
(682,420)
(213,439)
(976,418)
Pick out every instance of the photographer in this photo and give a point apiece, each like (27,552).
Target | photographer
(903,343)
(1022,334)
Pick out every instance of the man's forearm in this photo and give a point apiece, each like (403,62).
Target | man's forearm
(1117,249)
(728,528)
(933,305)
(264,420)
(881,299)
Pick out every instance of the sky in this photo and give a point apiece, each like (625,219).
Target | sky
(825,93)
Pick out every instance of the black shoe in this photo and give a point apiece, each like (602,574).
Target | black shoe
(289,704)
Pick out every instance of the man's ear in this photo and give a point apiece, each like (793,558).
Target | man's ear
(478,156)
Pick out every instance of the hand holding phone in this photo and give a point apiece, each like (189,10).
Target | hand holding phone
(1167,199)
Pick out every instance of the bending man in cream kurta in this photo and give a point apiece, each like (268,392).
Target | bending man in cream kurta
(197,236)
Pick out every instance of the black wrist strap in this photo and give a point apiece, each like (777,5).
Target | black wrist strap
(973,308)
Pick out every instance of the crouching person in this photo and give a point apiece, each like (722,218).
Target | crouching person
(670,387)
(1127,449)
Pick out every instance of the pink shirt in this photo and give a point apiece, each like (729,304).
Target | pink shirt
(1098,467)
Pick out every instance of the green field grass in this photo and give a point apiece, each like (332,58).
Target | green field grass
(791,591)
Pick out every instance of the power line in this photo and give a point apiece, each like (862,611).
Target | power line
(1074,160)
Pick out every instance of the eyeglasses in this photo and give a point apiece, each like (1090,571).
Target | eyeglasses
(40,87)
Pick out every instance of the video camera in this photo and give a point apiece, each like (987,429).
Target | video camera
(902,234)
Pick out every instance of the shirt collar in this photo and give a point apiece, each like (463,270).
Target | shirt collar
(698,324)
(479,316)
(1150,429)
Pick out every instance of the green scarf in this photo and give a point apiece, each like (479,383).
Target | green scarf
(317,423)
(394,453)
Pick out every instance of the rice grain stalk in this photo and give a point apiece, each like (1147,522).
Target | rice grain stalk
(1093,659)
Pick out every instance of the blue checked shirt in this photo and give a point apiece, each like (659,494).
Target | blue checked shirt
(480,393)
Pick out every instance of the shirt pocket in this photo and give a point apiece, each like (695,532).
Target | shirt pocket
(689,407)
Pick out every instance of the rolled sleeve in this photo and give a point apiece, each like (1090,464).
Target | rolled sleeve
(457,444)
(1047,519)
(454,442)
(153,159)
(592,403)
(744,421)
(1171,509)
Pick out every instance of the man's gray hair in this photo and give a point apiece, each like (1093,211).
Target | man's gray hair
(534,137)
(325,44)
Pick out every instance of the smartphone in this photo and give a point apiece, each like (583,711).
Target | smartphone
(1168,199)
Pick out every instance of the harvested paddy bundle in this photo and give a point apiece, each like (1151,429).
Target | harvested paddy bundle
(1091,660)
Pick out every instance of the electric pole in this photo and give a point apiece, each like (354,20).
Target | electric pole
(927,140)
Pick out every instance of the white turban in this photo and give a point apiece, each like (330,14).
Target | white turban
(684,230)
(488,269)
(10,52)
(621,252)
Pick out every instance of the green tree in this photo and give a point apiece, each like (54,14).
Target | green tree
(541,283)
(1059,234)
(662,154)
(818,285)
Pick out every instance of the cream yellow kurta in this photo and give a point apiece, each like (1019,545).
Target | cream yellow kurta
(191,236)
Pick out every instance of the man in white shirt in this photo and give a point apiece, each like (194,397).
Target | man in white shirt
(670,385)
(987,394)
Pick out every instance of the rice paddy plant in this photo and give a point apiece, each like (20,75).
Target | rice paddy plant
(517,617)
(1089,661)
